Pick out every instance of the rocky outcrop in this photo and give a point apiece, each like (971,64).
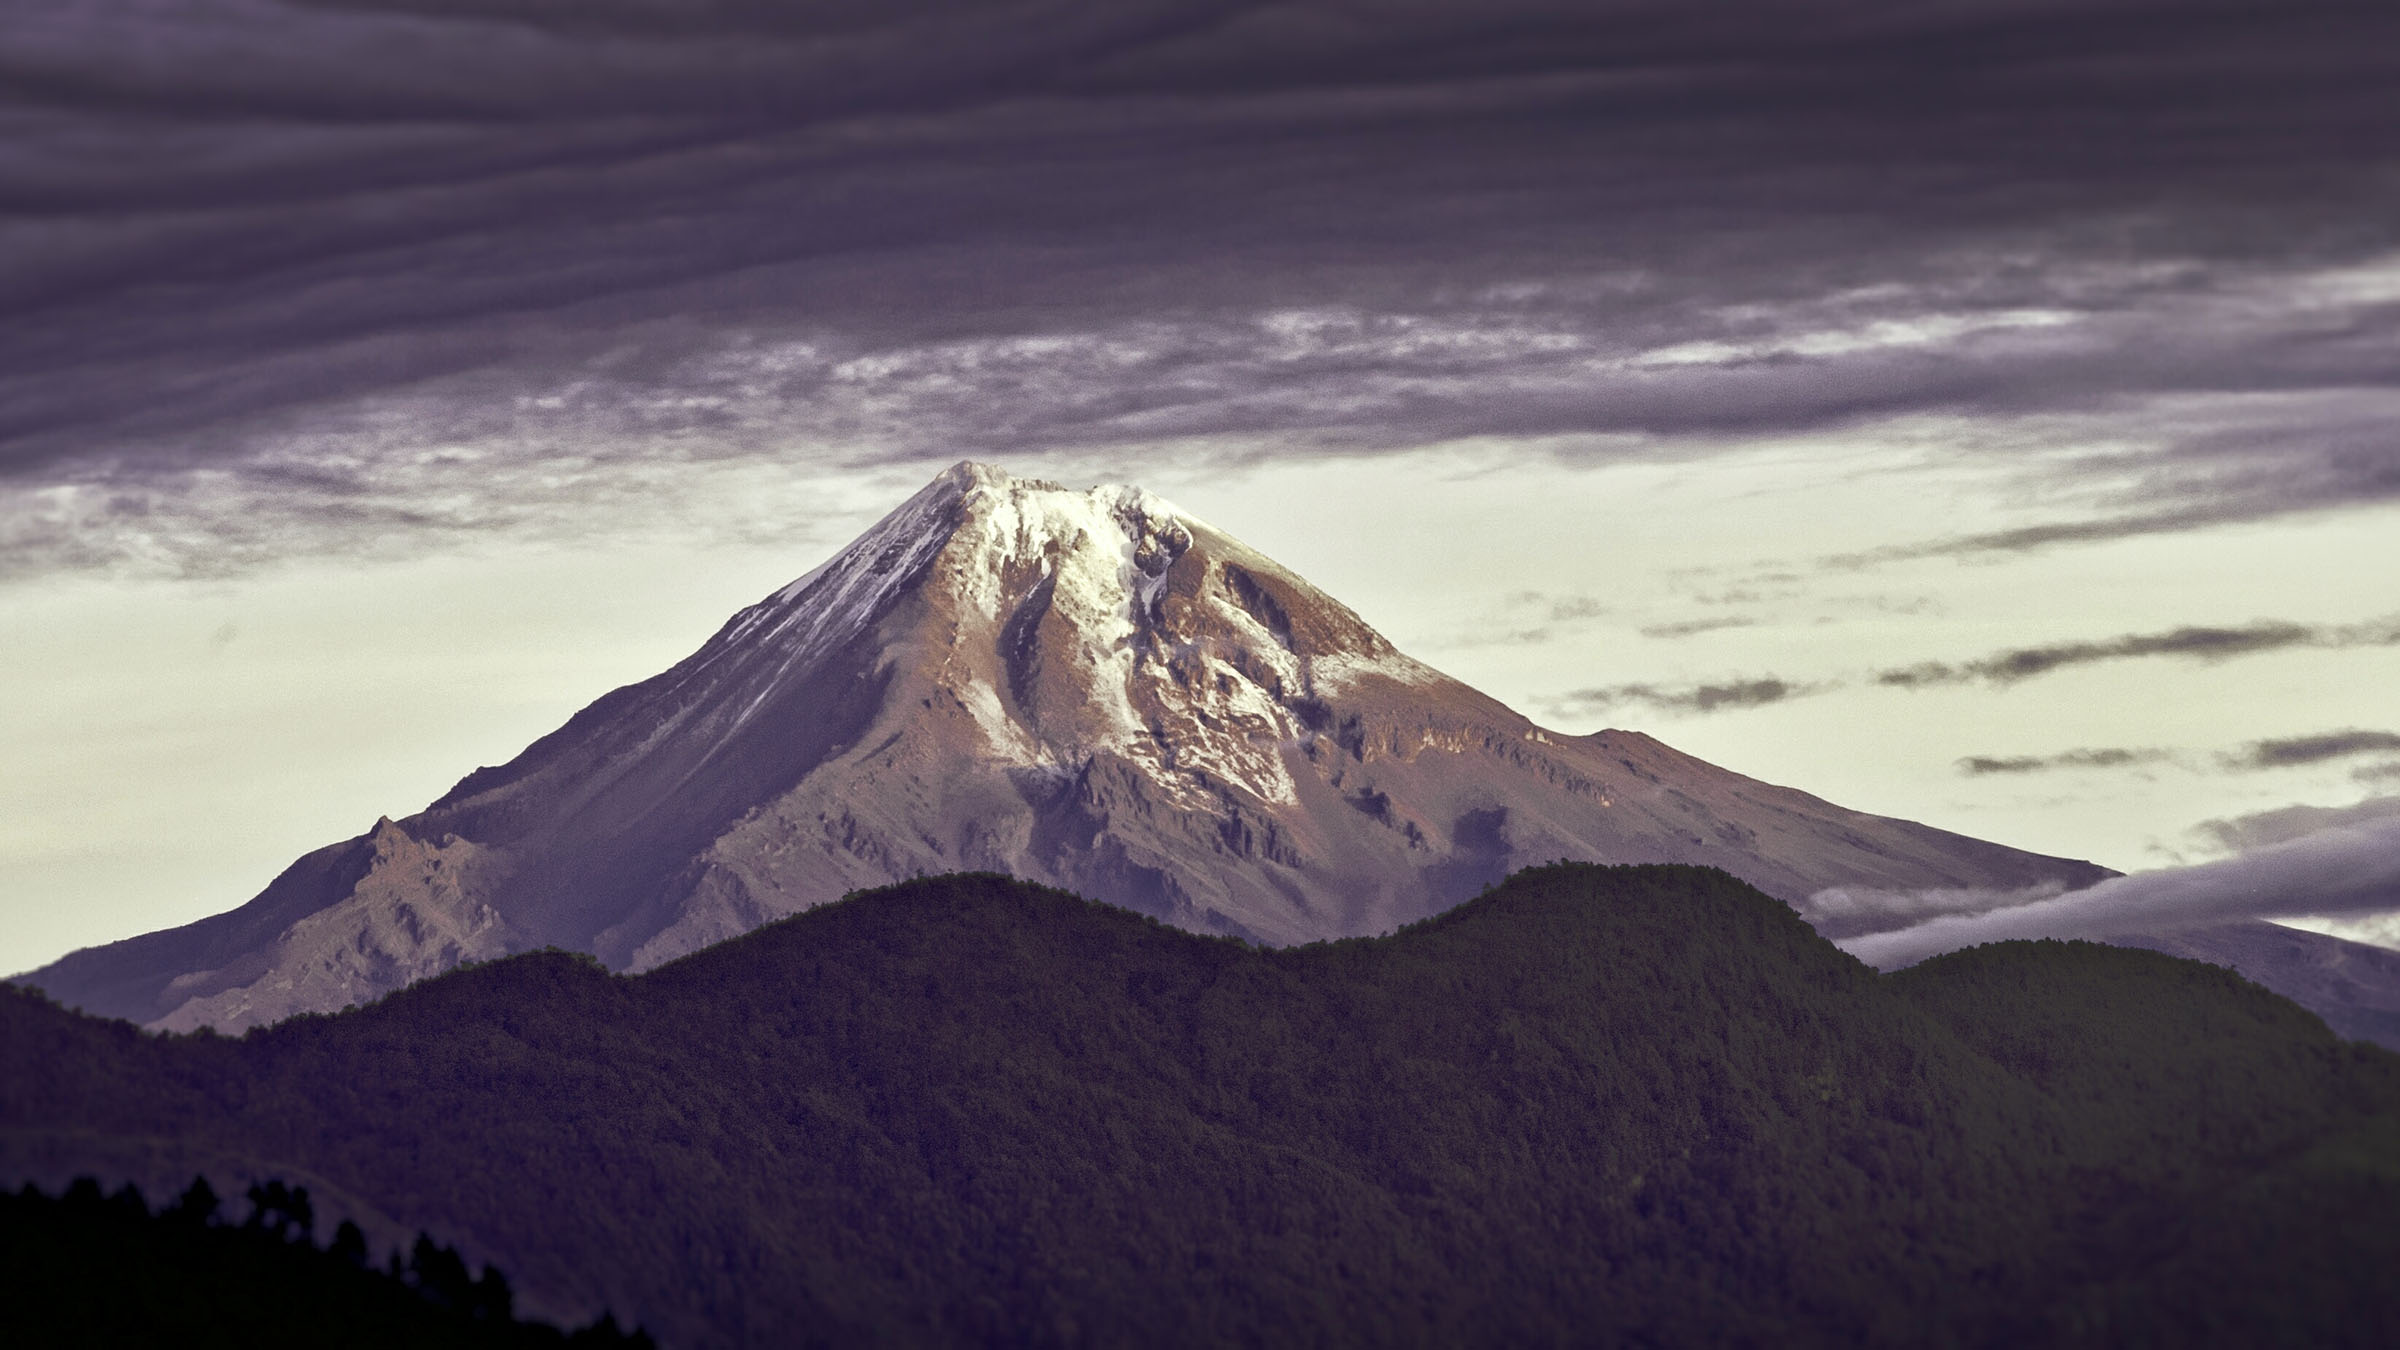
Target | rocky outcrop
(419,909)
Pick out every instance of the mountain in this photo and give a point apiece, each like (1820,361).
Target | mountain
(1091,690)
(1628,1106)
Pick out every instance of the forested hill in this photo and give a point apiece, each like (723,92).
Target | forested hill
(1631,1105)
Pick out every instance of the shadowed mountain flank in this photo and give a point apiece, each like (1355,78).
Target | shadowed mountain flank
(1087,689)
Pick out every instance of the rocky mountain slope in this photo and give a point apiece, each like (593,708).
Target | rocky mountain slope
(1088,689)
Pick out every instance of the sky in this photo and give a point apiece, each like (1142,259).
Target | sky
(1980,411)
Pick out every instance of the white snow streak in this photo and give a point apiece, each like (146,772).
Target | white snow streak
(989,540)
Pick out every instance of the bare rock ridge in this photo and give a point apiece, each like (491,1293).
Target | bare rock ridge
(1088,689)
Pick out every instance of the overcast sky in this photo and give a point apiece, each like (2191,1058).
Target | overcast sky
(1979,411)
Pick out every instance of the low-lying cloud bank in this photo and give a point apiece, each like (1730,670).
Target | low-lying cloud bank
(2347,869)
(1841,912)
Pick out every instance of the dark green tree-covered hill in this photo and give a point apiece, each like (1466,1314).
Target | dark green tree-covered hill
(1596,1106)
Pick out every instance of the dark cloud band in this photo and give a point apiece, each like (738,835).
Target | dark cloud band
(675,233)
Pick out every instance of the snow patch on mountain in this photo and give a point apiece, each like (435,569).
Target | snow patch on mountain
(1077,583)
(1070,585)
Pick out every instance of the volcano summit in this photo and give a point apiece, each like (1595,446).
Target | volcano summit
(1091,690)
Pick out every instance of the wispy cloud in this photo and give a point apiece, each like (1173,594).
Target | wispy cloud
(1526,618)
(2294,751)
(2011,666)
(1696,698)
(2191,643)
(2256,756)
(2105,757)
(1669,632)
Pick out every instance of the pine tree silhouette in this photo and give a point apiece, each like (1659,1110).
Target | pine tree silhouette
(283,1211)
(349,1244)
(196,1207)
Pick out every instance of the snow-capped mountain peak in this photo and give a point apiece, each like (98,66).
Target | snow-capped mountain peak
(1069,623)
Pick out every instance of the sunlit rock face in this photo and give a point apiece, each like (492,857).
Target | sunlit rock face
(1089,689)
